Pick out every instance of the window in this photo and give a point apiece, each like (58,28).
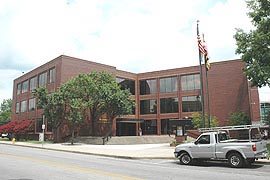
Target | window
(39,123)
(148,87)
(17,108)
(25,86)
(23,106)
(190,82)
(33,83)
(32,104)
(148,106)
(204,139)
(265,113)
(169,105)
(52,75)
(18,89)
(42,79)
(126,84)
(149,127)
(191,104)
(168,85)
(165,125)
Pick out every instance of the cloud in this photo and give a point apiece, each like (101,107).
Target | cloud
(136,36)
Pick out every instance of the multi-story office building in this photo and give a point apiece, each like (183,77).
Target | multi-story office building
(160,96)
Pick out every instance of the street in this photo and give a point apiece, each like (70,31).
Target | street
(23,163)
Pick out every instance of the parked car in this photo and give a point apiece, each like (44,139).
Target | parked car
(239,145)
(4,135)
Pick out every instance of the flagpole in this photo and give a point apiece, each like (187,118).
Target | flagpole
(207,95)
(201,80)
(207,90)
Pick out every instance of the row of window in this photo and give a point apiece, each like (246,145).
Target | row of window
(170,105)
(167,105)
(167,85)
(37,81)
(23,106)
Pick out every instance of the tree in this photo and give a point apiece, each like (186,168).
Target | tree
(94,93)
(197,121)
(18,128)
(117,102)
(53,107)
(77,100)
(239,118)
(107,98)
(255,45)
(5,111)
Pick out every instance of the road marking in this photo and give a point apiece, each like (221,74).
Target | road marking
(88,170)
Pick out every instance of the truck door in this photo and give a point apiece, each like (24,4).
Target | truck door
(203,148)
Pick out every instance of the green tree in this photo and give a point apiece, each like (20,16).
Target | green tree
(117,102)
(239,118)
(197,121)
(254,46)
(108,98)
(77,99)
(54,108)
(94,93)
(5,111)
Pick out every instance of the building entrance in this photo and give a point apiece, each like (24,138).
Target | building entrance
(127,127)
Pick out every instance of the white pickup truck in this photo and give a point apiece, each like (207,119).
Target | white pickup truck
(240,145)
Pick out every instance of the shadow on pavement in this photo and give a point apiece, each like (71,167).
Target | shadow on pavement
(218,164)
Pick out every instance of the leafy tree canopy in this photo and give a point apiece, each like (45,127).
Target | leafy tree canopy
(96,92)
(254,46)
(239,118)
(5,111)
(197,121)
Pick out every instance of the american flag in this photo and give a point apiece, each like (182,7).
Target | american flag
(202,48)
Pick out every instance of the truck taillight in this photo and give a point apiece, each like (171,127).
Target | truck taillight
(254,148)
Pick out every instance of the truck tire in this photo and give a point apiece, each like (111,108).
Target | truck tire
(236,160)
(185,159)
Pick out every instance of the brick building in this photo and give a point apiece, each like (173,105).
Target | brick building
(160,96)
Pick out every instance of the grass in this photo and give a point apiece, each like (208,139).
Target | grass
(4,139)
(28,141)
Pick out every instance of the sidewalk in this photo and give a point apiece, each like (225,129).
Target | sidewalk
(138,151)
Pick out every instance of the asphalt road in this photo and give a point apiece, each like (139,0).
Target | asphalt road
(22,163)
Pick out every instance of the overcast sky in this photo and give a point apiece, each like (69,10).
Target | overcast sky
(132,35)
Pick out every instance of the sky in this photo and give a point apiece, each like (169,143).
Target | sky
(132,35)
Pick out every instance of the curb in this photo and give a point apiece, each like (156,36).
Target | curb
(88,153)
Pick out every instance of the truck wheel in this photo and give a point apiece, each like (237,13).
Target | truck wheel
(235,160)
(185,159)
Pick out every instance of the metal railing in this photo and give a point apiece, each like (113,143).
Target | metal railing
(107,137)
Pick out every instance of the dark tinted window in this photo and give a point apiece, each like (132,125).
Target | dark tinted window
(148,87)
(191,104)
(169,105)
(148,106)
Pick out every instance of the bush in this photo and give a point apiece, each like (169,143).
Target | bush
(239,118)
(18,127)
(197,121)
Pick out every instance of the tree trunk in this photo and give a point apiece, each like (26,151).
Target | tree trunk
(72,137)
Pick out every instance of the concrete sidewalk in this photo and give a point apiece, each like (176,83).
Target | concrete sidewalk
(138,151)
